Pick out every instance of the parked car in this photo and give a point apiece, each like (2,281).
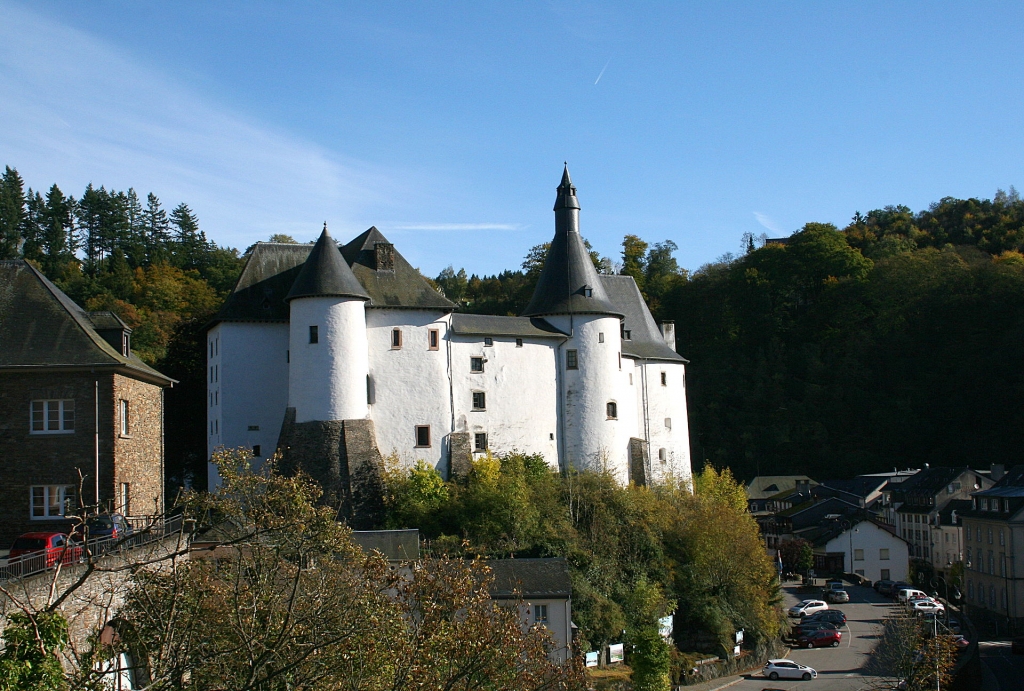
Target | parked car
(111,526)
(807,627)
(835,596)
(884,586)
(807,607)
(57,548)
(836,616)
(787,669)
(920,606)
(895,588)
(960,641)
(904,594)
(820,639)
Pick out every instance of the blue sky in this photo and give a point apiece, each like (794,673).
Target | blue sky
(446,124)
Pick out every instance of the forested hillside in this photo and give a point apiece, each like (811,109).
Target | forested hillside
(156,270)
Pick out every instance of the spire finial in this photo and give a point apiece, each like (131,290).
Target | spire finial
(325,226)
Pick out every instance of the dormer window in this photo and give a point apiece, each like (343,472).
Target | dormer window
(588,291)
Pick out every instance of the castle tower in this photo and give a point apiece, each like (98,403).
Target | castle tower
(570,296)
(328,354)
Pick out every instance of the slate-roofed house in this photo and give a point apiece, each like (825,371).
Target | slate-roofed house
(545,591)
(342,355)
(922,498)
(993,529)
(857,545)
(59,366)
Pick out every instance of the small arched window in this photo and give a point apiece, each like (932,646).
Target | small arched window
(613,410)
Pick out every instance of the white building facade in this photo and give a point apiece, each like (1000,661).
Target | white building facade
(873,552)
(323,333)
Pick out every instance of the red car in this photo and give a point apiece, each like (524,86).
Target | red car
(56,547)
(820,639)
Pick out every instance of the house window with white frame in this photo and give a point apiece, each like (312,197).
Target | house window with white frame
(883,554)
(124,419)
(51,501)
(540,614)
(52,416)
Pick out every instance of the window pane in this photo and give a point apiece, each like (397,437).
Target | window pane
(479,400)
(52,416)
(571,361)
(314,334)
(53,501)
(37,416)
(69,414)
(423,435)
(480,441)
(38,502)
(476,364)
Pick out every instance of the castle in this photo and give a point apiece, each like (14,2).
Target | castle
(337,355)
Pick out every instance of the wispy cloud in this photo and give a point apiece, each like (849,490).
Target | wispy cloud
(602,71)
(74,109)
(767,222)
(453,226)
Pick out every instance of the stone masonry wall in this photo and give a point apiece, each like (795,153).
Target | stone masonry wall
(138,456)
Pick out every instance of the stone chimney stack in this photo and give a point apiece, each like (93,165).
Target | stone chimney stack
(998,471)
(668,332)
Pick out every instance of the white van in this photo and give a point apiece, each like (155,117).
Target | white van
(906,593)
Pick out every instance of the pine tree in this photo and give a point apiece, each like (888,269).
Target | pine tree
(89,212)
(190,242)
(32,226)
(58,239)
(134,244)
(12,213)
(157,231)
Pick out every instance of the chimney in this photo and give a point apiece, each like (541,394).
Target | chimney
(668,332)
(384,255)
(998,471)
(802,486)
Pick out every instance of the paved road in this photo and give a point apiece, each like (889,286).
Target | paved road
(1005,671)
(839,669)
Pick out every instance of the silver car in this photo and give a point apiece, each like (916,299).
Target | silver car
(787,669)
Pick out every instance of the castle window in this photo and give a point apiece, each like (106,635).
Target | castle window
(396,339)
(51,501)
(287,356)
(433,339)
(668,423)
(216,397)
(422,436)
(476,364)
(314,334)
(519,343)
(629,335)
(480,441)
(613,410)
(588,291)
(600,337)
(52,417)
(662,455)
(571,360)
(479,400)
(620,361)
(488,341)
(123,410)
(664,379)
(256,450)
(211,348)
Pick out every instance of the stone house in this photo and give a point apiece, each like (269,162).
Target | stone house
(544,591)
(81,417)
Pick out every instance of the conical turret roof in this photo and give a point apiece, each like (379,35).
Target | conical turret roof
(568,282)
(326,274)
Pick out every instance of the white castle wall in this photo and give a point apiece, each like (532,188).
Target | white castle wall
(327,379)
(667,402)
(591,440)
(249,388)
(521,393)
(410,384)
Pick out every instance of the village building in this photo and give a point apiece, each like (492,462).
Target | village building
(341,355)
(81,417)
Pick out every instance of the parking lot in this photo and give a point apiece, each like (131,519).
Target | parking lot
(839,669)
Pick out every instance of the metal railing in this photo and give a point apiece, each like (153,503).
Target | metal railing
(145,530)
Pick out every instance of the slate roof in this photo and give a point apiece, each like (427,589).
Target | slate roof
(487,325)
(272,269)
(646,341)
(961,506)
(530,578)
(325,274)
(568,271)
(403,286)
(808,514)
(41,327)
(268,275)
(765,486)
(931,480)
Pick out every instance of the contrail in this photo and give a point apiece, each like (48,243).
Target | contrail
(602,72)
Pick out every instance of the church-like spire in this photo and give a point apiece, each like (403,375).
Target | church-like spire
(326,273)
(568,283)
(566,198)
